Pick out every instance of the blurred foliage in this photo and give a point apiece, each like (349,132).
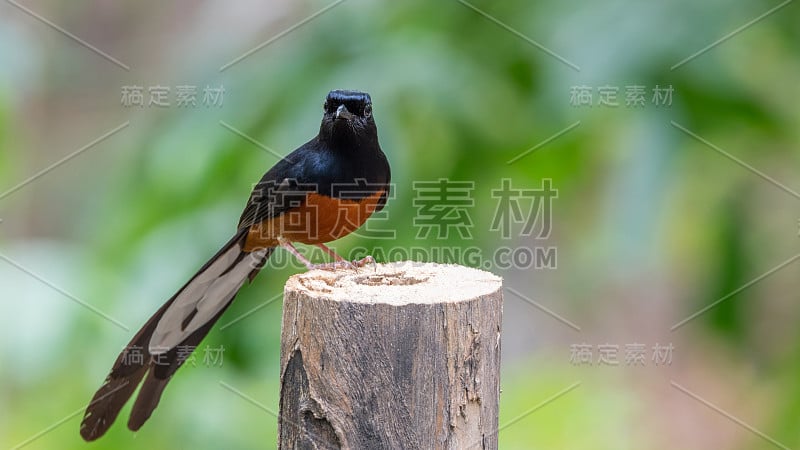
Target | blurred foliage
(651,224)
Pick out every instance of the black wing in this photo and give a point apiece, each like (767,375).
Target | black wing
(283,187)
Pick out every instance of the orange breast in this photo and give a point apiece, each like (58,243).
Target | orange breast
(319,219)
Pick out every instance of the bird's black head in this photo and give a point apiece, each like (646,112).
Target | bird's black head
(347,120)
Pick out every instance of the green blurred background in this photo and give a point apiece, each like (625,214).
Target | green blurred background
(651,224)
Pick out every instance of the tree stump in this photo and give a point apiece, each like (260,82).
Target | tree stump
(398,356)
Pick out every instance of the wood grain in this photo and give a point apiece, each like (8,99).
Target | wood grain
(399,356)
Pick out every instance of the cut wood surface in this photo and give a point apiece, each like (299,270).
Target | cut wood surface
(396,356)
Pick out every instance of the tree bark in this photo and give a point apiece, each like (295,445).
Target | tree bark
(401,356)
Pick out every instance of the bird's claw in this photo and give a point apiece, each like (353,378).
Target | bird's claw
(346,265)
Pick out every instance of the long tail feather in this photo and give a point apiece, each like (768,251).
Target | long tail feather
(160,374)
(137,360)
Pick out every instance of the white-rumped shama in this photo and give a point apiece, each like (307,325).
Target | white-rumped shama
(320,192)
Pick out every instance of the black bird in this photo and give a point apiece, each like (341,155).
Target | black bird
(320,192)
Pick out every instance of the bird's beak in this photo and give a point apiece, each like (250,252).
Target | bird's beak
(343,114)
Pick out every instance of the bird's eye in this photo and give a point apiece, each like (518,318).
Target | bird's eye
(367,110)
(325,106)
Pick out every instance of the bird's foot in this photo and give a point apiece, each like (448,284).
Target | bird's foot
(344,265)
(364,261)
(332,266)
